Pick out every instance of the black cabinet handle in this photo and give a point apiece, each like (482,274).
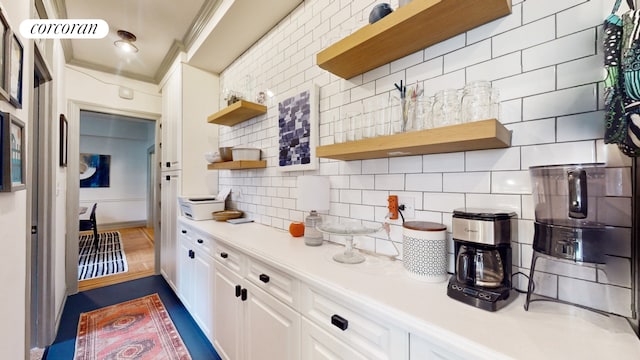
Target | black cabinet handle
(168,164)
(264,278)
(238,290)
(243,297)
(224,255)
(200,241)
(340,322)
(168,177)
(184,231)
(192,254)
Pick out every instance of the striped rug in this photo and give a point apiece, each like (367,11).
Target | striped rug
(108,260)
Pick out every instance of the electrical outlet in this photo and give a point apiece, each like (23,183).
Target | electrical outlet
(409,203)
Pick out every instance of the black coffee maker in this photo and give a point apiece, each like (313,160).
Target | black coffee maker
(482,242)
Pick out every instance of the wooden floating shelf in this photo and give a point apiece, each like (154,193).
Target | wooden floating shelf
(237,165)
(477,135)
(410,28)
(236,113)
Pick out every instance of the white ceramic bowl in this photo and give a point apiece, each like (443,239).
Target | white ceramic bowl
(245,154)
(212,157)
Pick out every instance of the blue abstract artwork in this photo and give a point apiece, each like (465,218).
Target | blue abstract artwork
(94,170)
(294,122)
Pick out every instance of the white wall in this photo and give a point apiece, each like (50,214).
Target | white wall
(546,60)
(125,200)
(13,217)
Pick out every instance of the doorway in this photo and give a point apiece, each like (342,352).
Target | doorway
(42,314)
(108,215)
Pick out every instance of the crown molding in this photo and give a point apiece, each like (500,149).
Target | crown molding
(199,23)
(110,70)
(174,51)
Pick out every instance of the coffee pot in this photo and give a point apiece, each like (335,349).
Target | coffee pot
(479,267)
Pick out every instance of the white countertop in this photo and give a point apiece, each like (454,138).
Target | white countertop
(547,331)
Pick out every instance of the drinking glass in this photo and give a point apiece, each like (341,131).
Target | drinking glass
(338,130)
(476,101)
(446,108)
(382,117)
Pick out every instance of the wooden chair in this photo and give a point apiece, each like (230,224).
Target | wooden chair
(90,224)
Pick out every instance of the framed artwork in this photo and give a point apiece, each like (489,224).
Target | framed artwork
(298,130)
(64,141)
(5,38)
(94,170)
(12,139)
(16,60)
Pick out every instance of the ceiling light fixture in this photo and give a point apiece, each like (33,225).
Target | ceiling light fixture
(126,42)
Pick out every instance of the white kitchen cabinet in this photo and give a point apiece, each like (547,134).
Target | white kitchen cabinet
(318,344)
(195,280)
(188,96)
(249,322)
(169,189)
(423,349)
(363,331)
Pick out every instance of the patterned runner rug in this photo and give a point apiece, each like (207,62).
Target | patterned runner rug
(135,329)
(108,260)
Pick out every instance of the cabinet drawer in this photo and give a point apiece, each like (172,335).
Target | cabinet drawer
(275,282)
(231,258)
(364,332)
(202,242)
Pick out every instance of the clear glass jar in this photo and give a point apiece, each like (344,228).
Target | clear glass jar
(420,113)
(446,108)
(476,101)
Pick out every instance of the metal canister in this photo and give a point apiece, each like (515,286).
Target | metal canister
(425,250)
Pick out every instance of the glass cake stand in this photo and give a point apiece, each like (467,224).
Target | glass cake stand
(349,256)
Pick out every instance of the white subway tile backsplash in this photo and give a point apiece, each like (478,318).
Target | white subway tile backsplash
(424,182)
(444,202)
(495,27)
(443,162)
(444,47)
(580,72)
(426,70)
(405,164)
(469,182)
(549,73)
(527,84)
(361,182)
(496,159)
(362,212)
(581,126)
(351,196)
(510,111)
(560,153)
(533,132)
(560,50)
(375,166)
(496,68)
(502,202)
(534,10)
(510,182)
(389,182)
(454,80)
(524,37)
(586,15)
(467,56)
(562,102)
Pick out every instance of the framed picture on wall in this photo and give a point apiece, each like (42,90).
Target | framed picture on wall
(298,130)
(13,153)
(16,62)
(95,170)
(64,141)
(5,38)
